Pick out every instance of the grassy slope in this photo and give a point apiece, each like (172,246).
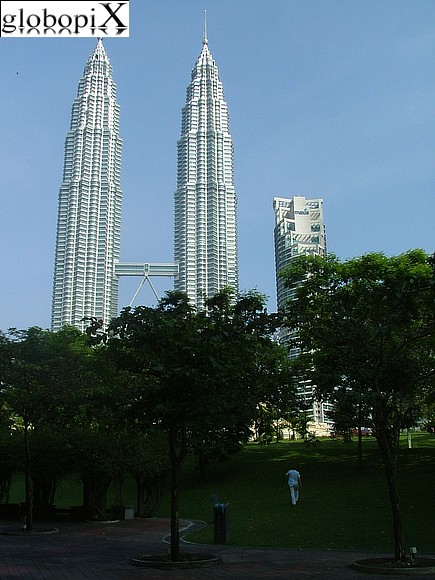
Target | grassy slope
(341,506)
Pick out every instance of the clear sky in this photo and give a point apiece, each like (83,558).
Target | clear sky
(327,98)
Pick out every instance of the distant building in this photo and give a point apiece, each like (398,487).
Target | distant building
(89,215)
(299,229)
(205,203)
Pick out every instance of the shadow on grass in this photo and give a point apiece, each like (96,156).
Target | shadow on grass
(341,506)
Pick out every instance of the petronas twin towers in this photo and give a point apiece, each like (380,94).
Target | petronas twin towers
(89,215)
(87,266)
(205,244)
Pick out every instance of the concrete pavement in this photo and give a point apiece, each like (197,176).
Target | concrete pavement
(104,551)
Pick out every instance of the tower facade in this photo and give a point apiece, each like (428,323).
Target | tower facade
(89,215)
(205,203)
(299,229)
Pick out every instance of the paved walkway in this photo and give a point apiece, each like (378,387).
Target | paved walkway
(89,551)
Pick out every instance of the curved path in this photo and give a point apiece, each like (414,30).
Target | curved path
(89,551)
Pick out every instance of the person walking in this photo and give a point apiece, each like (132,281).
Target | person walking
(294,483)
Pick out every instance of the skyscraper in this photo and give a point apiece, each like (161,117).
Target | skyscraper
(205,232)
(299,229)
(89,215)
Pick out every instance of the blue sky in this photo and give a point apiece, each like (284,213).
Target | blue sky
(327,98)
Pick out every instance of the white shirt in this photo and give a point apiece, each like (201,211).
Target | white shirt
(293,477)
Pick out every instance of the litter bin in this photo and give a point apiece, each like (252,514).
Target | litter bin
(221,523)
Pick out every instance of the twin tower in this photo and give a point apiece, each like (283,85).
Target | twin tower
(87,267)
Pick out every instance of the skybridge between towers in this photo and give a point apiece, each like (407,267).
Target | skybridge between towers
(146,270)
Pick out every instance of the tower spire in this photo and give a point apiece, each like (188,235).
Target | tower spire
(90,196)
(205,201)
(204,34)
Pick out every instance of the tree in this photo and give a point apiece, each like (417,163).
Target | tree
(429,414)
(367,325)
(40,376)
(148,463)
(349,414)
(344,413)
(9,446)
(196,374)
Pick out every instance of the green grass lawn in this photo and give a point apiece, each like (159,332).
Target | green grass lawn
(341,506)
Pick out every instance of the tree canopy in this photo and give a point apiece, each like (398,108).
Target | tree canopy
(42,375)
(199,376)
(367,325)
(104,403)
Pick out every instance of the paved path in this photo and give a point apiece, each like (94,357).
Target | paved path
(89,551)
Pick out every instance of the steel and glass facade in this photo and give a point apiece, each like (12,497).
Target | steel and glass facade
(205,203)
(299,229)
(89,215)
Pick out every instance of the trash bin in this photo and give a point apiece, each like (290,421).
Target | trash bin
(221,523)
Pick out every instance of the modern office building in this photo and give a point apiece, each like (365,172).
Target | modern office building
(89,215)
(299,229)
(205,203)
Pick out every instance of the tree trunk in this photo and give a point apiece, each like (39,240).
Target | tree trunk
(149,492)
(359,445)
(94,496)
(175,521)
(5,484)
(140,494)
(28,480)
(388,443)
(44,489)
(177,452)
(117,483)
(359,434)
(201,465)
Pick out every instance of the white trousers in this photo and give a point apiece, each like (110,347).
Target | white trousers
(294,493)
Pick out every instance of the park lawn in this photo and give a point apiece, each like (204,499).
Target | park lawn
(341,505)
